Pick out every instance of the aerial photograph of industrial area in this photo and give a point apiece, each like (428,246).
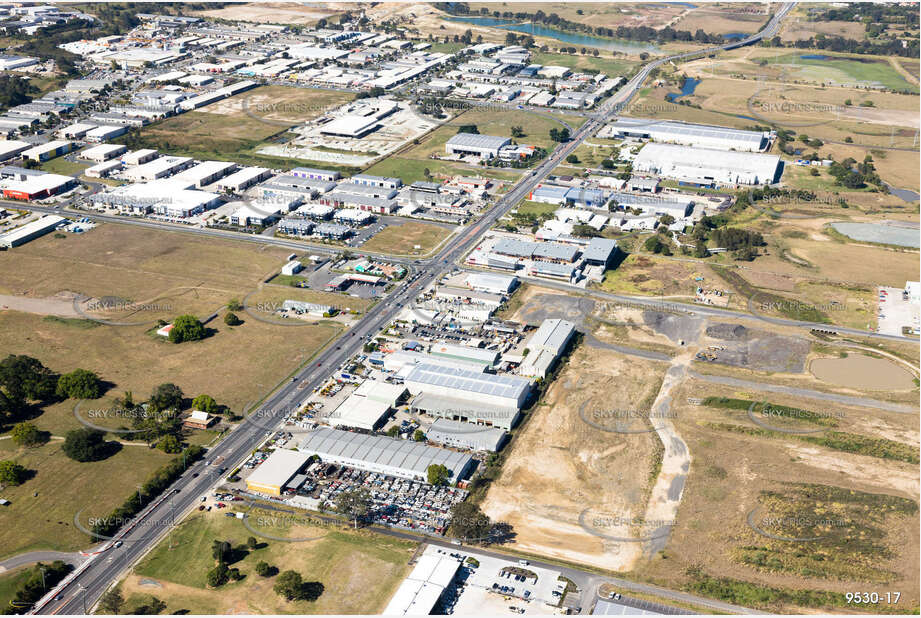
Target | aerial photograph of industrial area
(478,308)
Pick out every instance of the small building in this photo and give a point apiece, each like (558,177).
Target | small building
(292,268)
(315,174)
(104,133)
(199,419)
(47,151)
(492,283)
(102,170)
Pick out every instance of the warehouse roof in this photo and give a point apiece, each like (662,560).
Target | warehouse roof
(599,249)
(679,161)
(489,281)
(687,131)
(552,335)
(511,387)
(552,268)
(381,450)
(475,436)
(486,357)
(360,412)
(473,140)
(32,227)
(280,466)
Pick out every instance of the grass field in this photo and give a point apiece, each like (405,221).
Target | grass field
(403,238)
(359,571)
(61,165)
(722,19)
(410,170)
(46,520)
(843,70)
(233,129)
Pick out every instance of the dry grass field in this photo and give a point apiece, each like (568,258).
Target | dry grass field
(724,18)
(404,238)
(271,12)
(863,508)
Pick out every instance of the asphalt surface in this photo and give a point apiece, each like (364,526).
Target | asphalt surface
(79,592)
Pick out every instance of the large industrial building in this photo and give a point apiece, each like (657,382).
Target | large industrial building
(272,474)
(686,134)
(466,394)
(482,146)
(545,346)
(30,231)
(384,455)
(166,197)
(708,167)
(677,207)
(420,592)
(491,283)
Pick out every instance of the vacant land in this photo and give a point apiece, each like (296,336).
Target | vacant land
(723,18)
(411,170)
(233,129)
(359,571)
(658,276)
(271,12)
(408,238)
(583,457)
(857,509)
(41,512)
(146,275)
(613,67)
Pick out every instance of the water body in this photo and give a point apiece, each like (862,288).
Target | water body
(571,38)
(885,233)
(814,57)
(687,88)
(863,372)
(732,36)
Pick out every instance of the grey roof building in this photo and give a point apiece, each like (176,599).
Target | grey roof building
(484,146)
(466,435)
(390,456)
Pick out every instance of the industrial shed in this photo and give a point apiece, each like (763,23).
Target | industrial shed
(708,167)
(390,456)
(483,146)
(272,474)
(459,434)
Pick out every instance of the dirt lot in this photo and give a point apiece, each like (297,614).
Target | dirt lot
(733,474)
(757,349)
(724,18)
(568,484)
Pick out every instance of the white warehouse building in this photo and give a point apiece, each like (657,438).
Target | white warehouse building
(708,167)
(483,146)
(687,134)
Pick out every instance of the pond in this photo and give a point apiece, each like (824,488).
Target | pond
(862,372)
(885,233)
(687,88)
(814,57)
(733,36)
(572,38)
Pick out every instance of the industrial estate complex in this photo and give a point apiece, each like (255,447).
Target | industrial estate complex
(462,328)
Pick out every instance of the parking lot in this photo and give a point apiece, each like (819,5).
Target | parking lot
(896,312)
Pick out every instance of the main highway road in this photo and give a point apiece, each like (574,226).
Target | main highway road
(79,592)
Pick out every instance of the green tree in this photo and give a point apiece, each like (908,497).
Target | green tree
(85,445)
(290,585)
(221,550)
(170,444)
(206,403)
(187,328)
(468,128)
(26,434)
(572,159)
(518,131)
(264,569)
(437,474)
(393,431)
(166,396)
(234,305)
(607,164)
(79,384)
(112,601)
(354,504)
(418,435)
(469,522)
(231,319)
(12,473)
(251,542)
(218,576)
(23,379)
